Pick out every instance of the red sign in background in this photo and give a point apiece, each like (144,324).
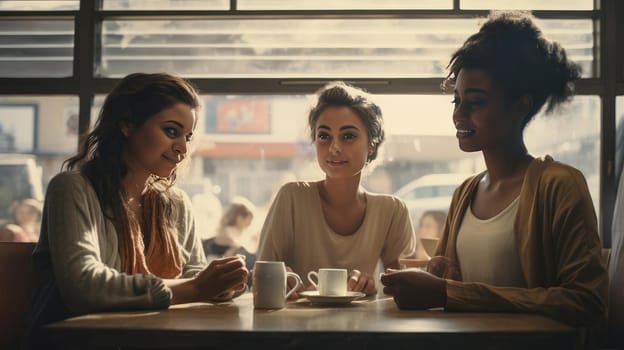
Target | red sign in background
(243,116)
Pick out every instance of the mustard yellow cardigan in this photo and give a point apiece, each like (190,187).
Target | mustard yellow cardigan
(558,245)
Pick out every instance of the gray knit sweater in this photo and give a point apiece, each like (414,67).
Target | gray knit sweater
(77,260)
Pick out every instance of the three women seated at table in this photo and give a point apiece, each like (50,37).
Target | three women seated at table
(521,236)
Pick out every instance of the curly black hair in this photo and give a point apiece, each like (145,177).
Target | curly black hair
(512,49)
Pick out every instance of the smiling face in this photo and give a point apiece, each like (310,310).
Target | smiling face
(342,144)
(482,114)
(161,143)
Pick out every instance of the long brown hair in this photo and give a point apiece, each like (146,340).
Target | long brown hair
(134,100)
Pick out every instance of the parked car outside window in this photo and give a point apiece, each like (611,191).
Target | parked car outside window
(430,192)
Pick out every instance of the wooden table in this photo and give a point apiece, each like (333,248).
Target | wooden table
(363,324)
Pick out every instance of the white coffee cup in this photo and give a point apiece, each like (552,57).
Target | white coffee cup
(269,284)
(329,282)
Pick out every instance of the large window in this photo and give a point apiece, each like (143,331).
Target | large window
(250,145)
(36,48)
(528,4)
(306,48)
(257,64)
(39,5)
(36,134)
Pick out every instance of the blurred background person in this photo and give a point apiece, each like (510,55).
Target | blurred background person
(233,236)
(26,222)
(428,233)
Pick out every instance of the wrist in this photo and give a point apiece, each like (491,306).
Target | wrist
(184,292)
(442,293)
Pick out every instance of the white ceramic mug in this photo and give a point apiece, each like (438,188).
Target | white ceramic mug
(330,282)
(269,284)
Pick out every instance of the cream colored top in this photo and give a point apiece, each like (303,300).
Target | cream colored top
(558,244)
(295,231)
(487,250)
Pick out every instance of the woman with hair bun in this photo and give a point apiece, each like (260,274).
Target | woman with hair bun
(521,236)
(333,222)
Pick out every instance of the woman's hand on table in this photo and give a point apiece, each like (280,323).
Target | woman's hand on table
(414,288)
(222,279)
(443,267)
(361,282)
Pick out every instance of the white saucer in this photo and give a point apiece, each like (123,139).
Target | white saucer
(315,297)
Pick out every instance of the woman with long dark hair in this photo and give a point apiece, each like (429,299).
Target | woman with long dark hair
(116,232)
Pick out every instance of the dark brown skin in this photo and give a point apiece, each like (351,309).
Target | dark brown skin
(430,284)
(489,122)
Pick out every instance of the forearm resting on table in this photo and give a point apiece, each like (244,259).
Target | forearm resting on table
(182,290)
